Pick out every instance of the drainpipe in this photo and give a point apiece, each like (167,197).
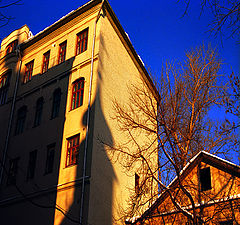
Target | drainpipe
(11,115)
(88,116)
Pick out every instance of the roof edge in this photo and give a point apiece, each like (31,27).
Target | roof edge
(65,19)
(203,156)
(129,44)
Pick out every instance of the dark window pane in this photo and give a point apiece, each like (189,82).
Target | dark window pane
(12,172)
(137,183)
(205,179)
(38,113)
(50,159)
(56,103)
(31,164)
(4,86)
(21,117)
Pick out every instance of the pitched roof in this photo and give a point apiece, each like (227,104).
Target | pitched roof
(202,156)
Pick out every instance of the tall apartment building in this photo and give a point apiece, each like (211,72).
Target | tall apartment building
(56,92)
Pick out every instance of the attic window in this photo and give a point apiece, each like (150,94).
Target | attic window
(136,183)
(205,179)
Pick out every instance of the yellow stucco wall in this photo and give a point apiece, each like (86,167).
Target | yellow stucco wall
(116,72)
(107,184)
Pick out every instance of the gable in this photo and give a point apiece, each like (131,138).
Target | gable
(209,179)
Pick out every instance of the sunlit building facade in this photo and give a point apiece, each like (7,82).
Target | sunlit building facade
(56,92)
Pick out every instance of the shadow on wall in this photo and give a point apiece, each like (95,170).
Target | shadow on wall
(98,186)
(33,199)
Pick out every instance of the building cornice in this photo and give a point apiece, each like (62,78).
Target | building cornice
(64,20)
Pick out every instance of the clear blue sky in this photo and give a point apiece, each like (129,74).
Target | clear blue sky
(156,28)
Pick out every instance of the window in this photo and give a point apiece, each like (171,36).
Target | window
(137,183)
(205,179)
(12,173)
(77,93)
(72,150)
(31,164)
(28,72)
(21,117)
(62,52)
(82,39)
(38,113)
(46,57)
(56,103)
(4,85)
(50,158)
(11,47)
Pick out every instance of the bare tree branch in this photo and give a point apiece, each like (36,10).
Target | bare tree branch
(176,126)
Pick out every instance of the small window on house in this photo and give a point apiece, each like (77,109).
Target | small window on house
(46,57)
(4,86)
(50,158)
(77,93)
(205,179)
(72,150)
(82,39)
(11,47)
(28,72)
(137,187)
(31,164)
(227,222)
(38,113)
(56,103)
(12,172)
(21,117)
(62,52)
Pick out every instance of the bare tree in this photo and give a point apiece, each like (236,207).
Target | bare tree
(4,19)
(176,125)
(226,15)
(233,107)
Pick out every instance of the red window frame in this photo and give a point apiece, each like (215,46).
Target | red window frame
(4,85)
(82,40)
(62,52)
(72,150)
(77,93)
(46,57)
(11,47)
(28,72)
